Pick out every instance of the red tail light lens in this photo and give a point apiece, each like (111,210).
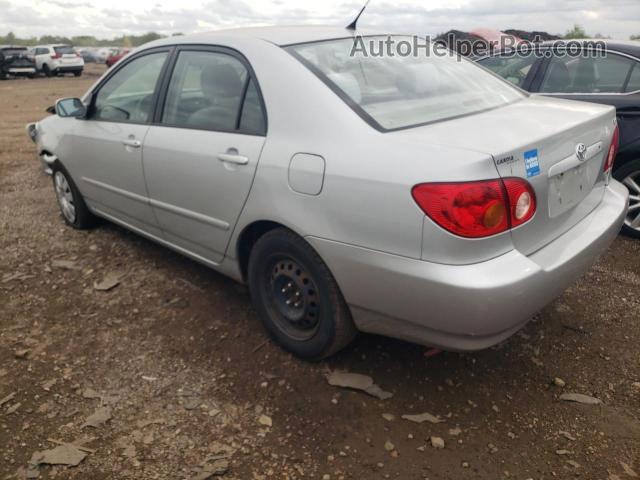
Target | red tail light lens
(477,209)
(522,201)
(613,150)
(55,56)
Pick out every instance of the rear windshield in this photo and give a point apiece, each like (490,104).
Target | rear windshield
(64,50)
(14,51)
(400,91)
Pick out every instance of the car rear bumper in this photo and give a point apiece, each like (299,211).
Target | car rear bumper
(69,68)
(22,70)
(468,307)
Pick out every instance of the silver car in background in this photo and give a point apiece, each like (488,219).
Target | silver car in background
(416,197)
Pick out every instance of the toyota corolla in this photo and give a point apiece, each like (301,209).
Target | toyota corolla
(419,197)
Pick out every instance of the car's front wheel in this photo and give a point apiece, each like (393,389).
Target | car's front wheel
(72,206)
(78,73)
(629,175)
(297,298)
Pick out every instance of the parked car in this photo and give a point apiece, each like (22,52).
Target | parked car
(16,61)
(610,79)
(421,198)
(115,57)
(58,59)
(88,56)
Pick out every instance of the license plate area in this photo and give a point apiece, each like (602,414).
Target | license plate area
(569,188)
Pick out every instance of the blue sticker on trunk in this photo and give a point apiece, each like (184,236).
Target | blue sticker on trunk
(531,163)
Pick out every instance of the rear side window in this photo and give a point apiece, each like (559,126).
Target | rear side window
(513,68)
(127,96)
(212,91)
(65,50)
(587,74)
(634,81)
(42,51)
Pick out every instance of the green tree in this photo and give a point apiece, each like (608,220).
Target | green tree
(634,37)
(576,32)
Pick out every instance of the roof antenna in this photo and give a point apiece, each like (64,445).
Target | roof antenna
(352,25)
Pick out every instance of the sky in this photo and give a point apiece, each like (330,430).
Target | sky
(108,18)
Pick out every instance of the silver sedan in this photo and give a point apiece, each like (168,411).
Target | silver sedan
(414,196)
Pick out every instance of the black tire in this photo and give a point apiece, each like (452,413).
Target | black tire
(630,170)
(77,74)
(82,219)
(46,70)
(322,325)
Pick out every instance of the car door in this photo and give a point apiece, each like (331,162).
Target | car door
(611,78)
(518,68)
(104,153)
(200,156)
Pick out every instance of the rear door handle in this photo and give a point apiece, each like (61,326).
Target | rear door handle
(233,158)
(129,142)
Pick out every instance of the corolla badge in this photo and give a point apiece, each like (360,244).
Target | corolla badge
(581,152)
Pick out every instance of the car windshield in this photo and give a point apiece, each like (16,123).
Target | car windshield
(400,91)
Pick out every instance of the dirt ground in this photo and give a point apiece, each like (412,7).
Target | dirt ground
(170,375)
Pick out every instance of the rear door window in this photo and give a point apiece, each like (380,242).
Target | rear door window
(589,73)
(212,91)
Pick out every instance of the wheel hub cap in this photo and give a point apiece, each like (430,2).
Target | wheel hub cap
(65,197)
(632,182)
(294,296)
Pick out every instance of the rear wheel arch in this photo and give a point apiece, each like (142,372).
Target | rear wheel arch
(249,237)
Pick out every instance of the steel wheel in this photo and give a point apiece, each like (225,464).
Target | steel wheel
(65,197)
(294,299)
(632,182)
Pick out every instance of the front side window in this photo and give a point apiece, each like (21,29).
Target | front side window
(393,92)
(207,91)
(513,68)
(586,74)
(128,95)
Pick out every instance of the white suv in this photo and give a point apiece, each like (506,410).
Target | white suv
(57,59)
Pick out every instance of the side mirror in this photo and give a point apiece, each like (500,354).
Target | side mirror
(70,107)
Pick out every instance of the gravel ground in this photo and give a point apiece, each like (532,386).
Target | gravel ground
(169,375)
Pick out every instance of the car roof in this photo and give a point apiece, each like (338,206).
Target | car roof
(281,35)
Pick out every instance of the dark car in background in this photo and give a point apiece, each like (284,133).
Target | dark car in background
(612,78)
(16,61)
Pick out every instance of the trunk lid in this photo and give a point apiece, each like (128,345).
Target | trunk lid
(536,139)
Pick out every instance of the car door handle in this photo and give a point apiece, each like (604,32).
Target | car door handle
(233,158)
(129,142)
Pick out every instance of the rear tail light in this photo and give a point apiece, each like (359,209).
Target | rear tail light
(477,209)
(56,56)
(613,150)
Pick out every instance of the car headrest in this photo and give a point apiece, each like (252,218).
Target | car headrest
(420,79)
(348,84)
(221,80)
